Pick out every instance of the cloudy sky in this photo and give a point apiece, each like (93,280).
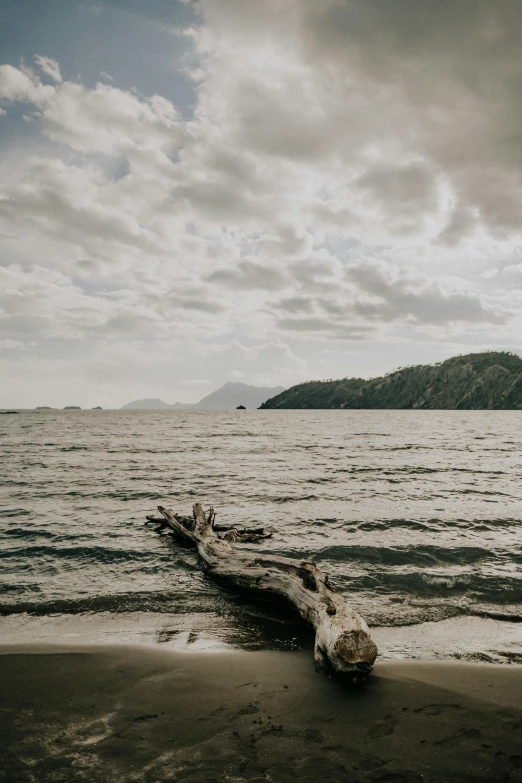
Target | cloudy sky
(267,191)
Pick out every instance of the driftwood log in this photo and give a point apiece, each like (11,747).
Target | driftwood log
(343,645)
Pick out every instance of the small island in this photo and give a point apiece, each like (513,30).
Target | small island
(72,408)
(240,408)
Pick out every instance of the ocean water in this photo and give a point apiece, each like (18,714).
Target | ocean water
(416,515)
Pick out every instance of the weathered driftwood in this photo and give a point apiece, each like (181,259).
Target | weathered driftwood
(233,534)
(343,645)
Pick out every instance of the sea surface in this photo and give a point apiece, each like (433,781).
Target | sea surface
(416,515)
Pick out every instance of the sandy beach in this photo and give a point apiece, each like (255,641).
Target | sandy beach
(123,713)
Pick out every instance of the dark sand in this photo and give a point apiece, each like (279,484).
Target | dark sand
(142,714)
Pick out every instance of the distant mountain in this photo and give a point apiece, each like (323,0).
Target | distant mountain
(228,397)
(146,405)
(233,394)
(478,381)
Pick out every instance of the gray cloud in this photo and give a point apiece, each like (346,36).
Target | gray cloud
(330,215)
(200,305)
(273,122)
(403,193)
(400,296)
(247,275)
(326,325)
(217,199)
(313,272)
(370,86)
(461,223)
(455,70)
(295,305)
(186,297)
(373,293)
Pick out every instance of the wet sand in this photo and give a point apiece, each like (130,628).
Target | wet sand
(143,714)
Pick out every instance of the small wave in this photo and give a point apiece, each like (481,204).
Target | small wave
(481,492)
(407,615)
(512,615)
(434,524)
(161,602)
(111,494)
(28,533)
(399,469)
(472,586)
(18,588)
(408,447)
(87,554)
(293,498)
(407,555)
(387,524)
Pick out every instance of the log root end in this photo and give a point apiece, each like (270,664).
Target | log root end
(350,656)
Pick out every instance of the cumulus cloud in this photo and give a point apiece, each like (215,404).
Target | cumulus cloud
(111,121)
(49,67)
(17,84)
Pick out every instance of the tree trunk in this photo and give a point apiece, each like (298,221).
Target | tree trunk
(343,645)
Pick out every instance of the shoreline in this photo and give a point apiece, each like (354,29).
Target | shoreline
(149,714)
(462,638)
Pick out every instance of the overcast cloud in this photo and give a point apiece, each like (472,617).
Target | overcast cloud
(271,192)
